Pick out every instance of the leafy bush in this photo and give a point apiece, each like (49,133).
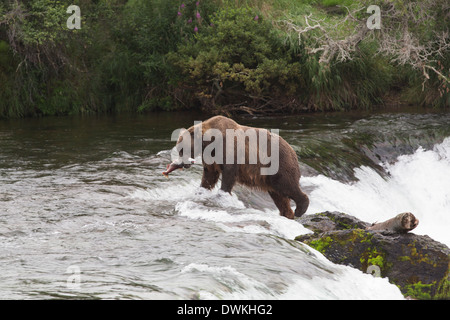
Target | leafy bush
(237,61)
(152,29)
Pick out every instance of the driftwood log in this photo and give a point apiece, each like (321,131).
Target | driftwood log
(402,223)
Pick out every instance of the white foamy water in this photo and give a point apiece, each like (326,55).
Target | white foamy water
(347,283)
(261,270)
(417,183)
(225,210)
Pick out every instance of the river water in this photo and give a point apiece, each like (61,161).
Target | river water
(86,213)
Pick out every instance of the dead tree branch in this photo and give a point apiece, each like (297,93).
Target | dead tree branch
(326,38)
(404,37)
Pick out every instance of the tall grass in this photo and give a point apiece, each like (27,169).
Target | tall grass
(356,84)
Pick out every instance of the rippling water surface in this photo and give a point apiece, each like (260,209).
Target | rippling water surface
(86,213)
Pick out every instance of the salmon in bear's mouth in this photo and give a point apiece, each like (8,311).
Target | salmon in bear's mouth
(177,164)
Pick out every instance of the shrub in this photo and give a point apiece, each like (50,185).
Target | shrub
(236,62)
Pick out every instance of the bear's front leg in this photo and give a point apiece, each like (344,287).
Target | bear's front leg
(283,204)
(210,177)
(228,177)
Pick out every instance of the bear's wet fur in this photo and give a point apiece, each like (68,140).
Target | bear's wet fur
(281,186)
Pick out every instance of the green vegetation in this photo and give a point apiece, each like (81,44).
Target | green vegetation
(221,56)
(419,291)
(321,244)
(373,257)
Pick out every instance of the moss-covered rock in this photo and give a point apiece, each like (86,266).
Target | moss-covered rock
(417,264)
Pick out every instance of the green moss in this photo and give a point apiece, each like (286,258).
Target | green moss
(373,257)
(404,258)
(346,226)
(365,236)
(443,290)
(377,261)
(419,290)
(340,221)
(321,244)
(416,256)
(357,235)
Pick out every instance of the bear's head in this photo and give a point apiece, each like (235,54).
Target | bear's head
(185,150)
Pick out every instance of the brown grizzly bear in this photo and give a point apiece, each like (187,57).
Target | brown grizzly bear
(237,153)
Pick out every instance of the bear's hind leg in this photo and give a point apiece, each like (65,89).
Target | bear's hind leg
(283,204)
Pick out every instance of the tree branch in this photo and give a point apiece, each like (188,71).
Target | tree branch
(404,37)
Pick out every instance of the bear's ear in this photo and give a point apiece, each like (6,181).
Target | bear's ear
(191,131)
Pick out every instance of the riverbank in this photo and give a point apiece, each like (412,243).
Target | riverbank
(227,57)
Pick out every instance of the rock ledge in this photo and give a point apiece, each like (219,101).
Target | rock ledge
(417,264)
